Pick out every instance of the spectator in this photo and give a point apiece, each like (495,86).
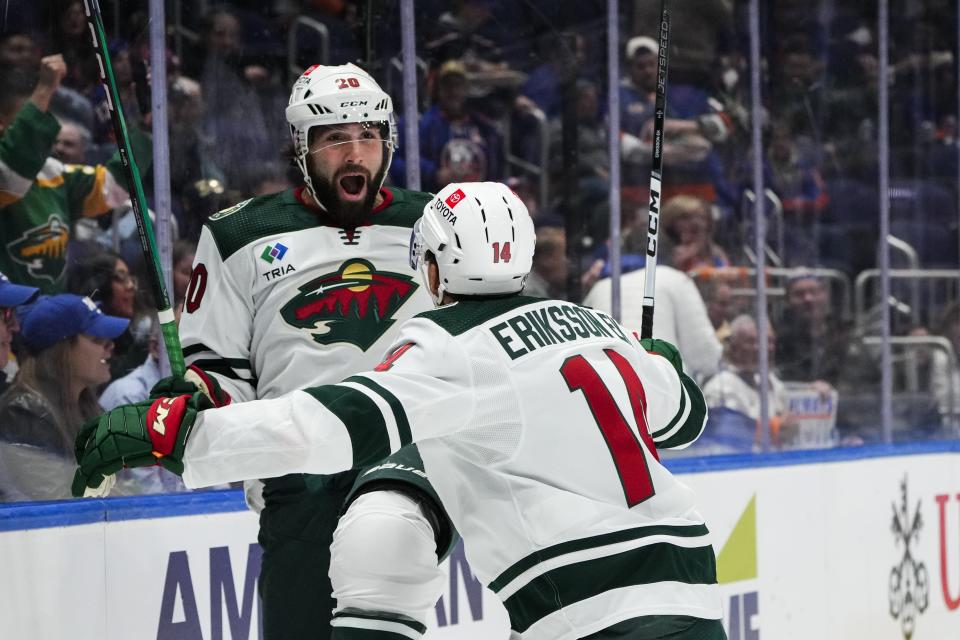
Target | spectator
(687,225)
(40,197)
(551,267)
(812,343)
(123,62)
(695,124)
(635,89)
(736,385)
(68,343)
(18,49)
(700,31)
(72,36)
(797,96)
(195,179)
(106,279)
(680,317)
(548,279)
(794,177)
(718,297)
(240,98)
(11,296)
(456,143)
(72,143)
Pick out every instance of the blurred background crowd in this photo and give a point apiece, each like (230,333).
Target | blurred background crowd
(514,91)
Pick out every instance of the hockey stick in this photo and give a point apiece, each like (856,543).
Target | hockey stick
(168,325)
(656,175)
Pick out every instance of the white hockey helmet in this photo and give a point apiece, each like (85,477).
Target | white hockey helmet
(338,95)
(482,237)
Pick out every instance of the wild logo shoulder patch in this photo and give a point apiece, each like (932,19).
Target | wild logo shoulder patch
(355,304)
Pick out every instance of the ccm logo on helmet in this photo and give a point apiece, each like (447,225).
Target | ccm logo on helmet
(354,103)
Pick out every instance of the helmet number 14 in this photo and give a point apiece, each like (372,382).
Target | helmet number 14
(501,254)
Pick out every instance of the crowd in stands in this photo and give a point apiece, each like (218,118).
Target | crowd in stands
(513,92)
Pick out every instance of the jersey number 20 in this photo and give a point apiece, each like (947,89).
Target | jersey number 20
(626,450)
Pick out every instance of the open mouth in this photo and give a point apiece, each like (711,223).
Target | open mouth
(353,186)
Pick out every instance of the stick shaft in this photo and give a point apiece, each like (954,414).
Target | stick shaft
(135,188)
(656,175)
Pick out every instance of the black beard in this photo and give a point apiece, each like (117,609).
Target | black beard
(347,215)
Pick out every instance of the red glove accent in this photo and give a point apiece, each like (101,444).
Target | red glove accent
(218,396)
(164,419)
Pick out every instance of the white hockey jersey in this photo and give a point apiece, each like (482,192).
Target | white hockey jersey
(538,423)
(280,301)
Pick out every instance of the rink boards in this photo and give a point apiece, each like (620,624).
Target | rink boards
(840,544)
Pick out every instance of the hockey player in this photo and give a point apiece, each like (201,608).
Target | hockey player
(301,288)
(539,419)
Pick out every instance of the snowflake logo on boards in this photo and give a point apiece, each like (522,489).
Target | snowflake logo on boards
(909,581)
(355,304)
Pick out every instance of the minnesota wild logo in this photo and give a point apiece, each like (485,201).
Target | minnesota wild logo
(355,304)
(42,249)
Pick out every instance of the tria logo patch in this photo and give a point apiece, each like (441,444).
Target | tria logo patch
(42,249)
(355,304)
(454,198)
(273,253)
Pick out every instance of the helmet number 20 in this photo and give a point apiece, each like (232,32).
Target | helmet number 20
(501,254)
(346,83)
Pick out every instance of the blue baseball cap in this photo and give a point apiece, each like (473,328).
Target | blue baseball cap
(13,295)
(55,318)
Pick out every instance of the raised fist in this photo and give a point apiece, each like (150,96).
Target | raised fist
(52,71)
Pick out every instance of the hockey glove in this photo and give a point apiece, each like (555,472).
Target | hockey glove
(665,349)
(195,379)
(153,432)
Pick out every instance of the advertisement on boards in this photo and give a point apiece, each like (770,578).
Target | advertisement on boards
(833,549)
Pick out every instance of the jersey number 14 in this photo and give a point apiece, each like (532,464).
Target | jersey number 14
(627,451)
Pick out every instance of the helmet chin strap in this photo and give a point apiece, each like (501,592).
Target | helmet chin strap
(308,181)
(436,298)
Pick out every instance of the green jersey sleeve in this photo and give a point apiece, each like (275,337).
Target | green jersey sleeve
(24,148)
